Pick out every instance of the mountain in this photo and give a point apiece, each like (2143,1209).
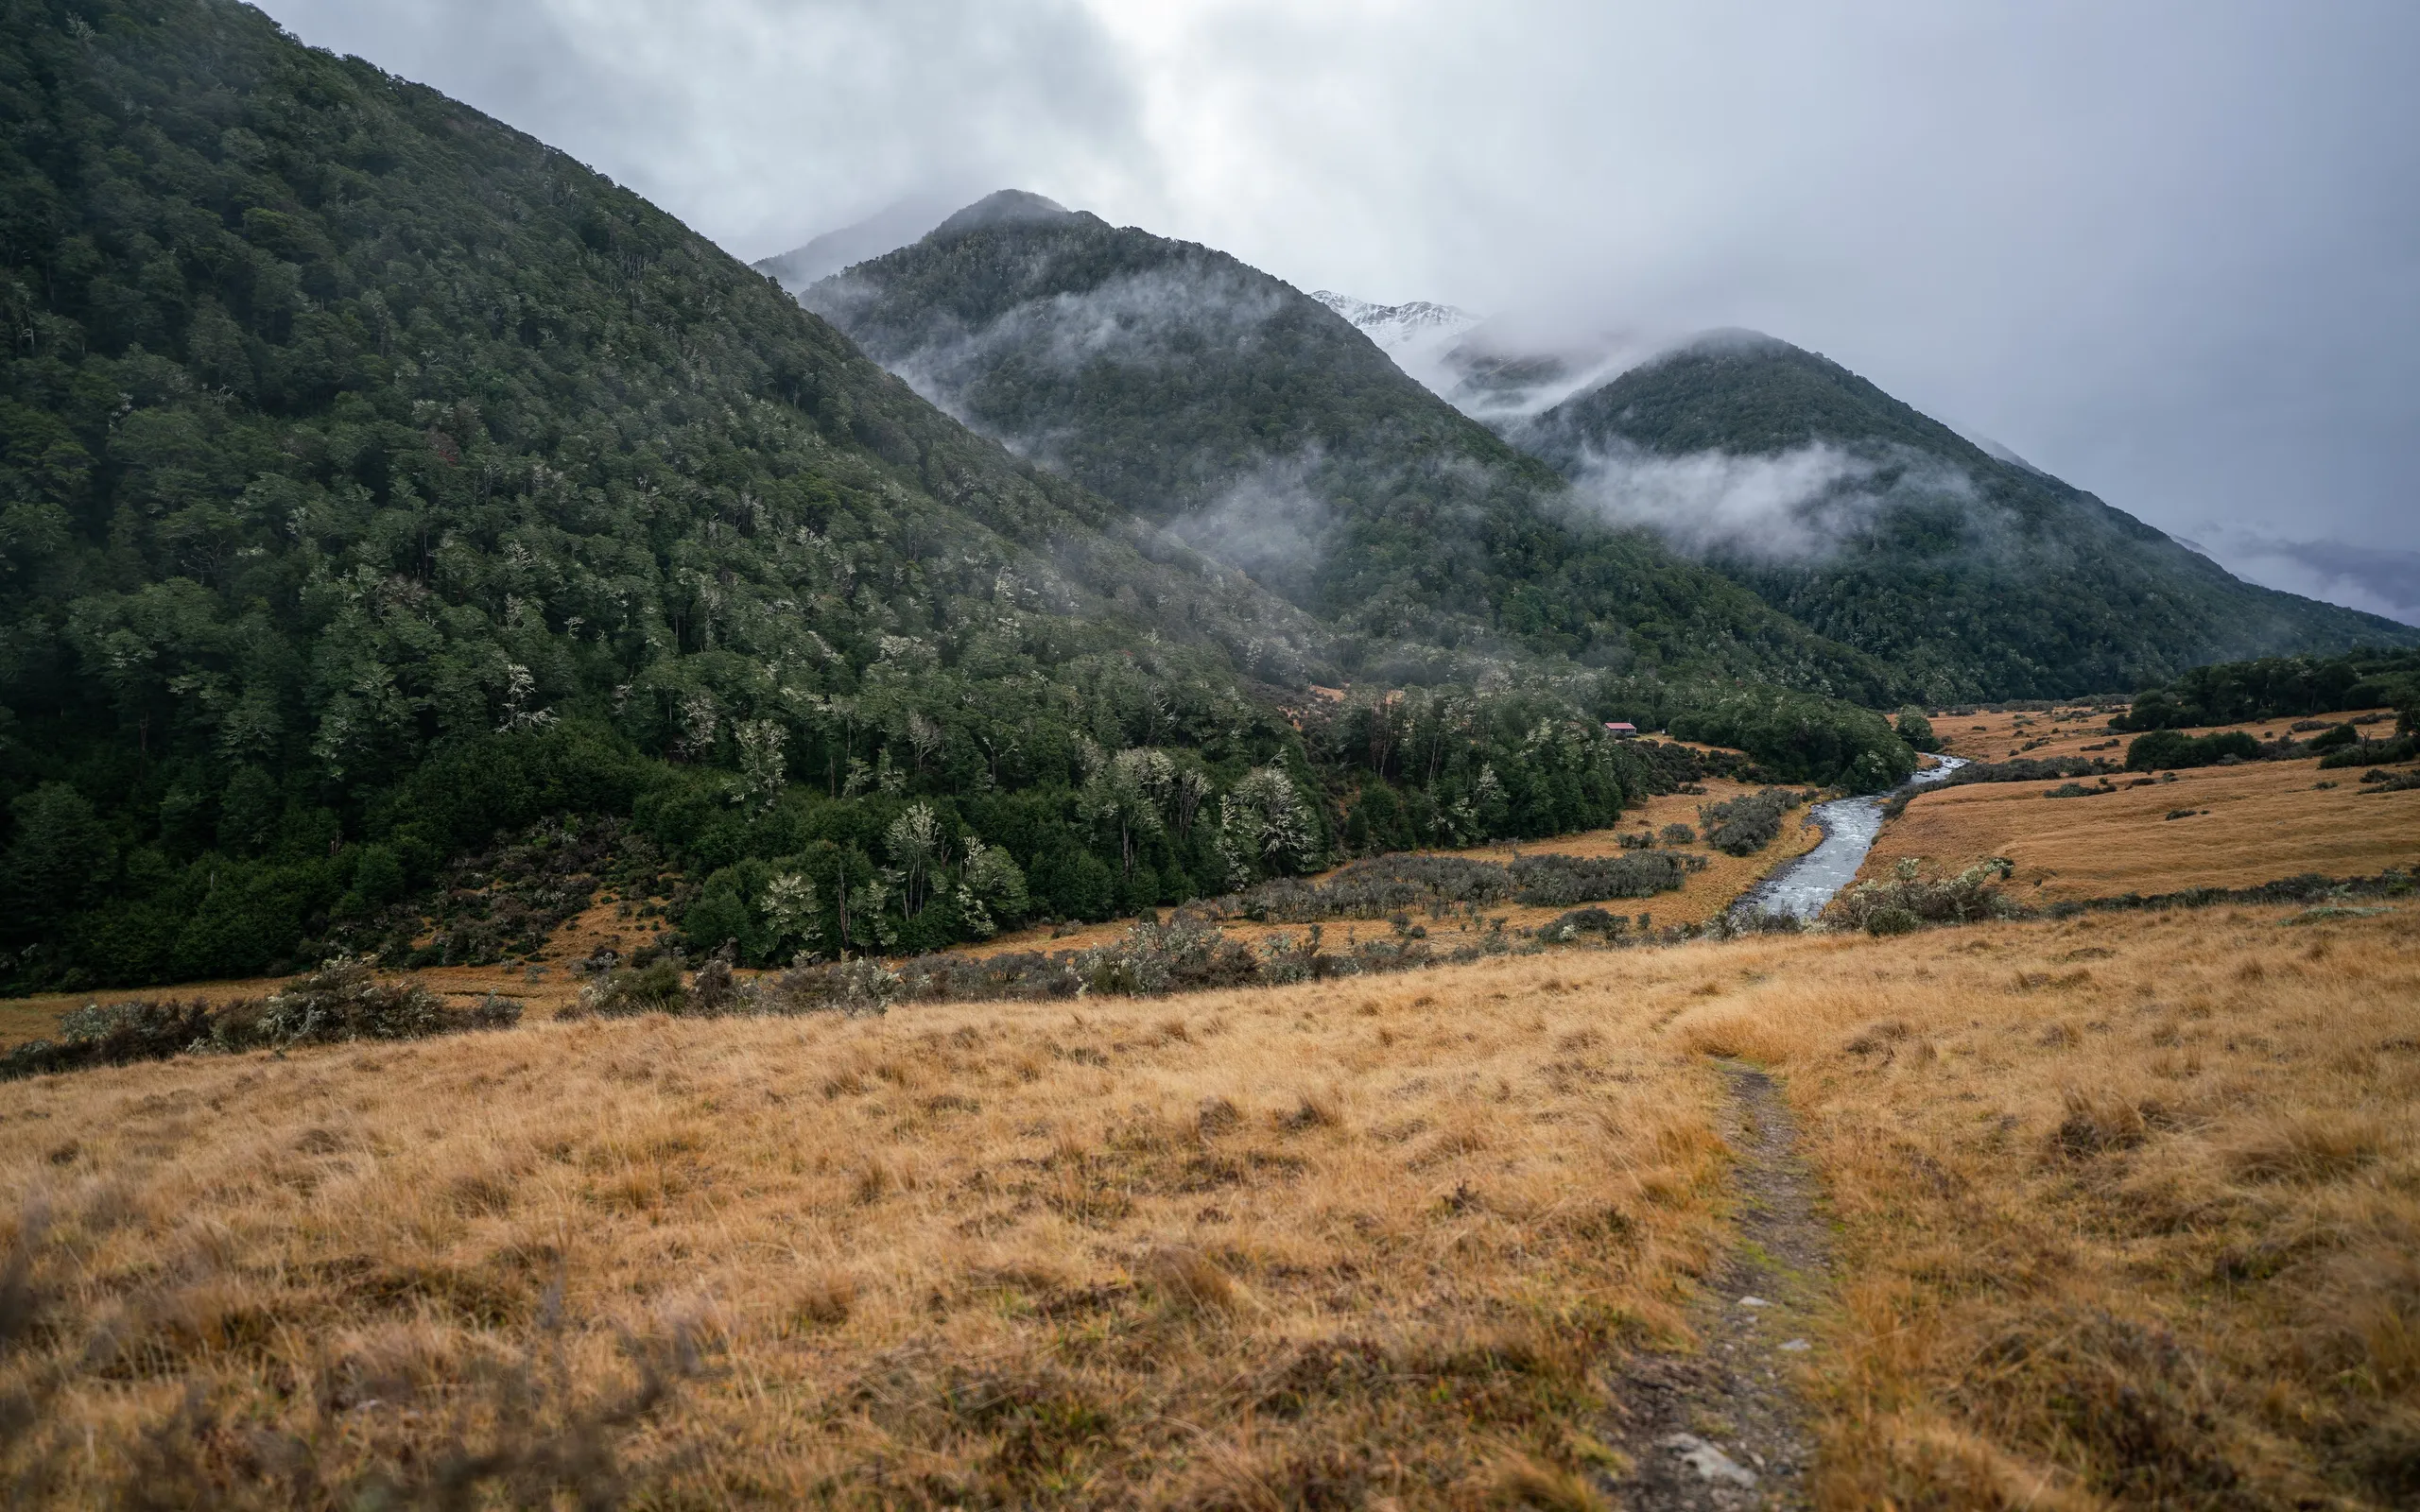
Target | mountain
(1417,335)
(1977,574)
(1494,371)
(888,229)
(1252,421)
(374,477)
(407,533)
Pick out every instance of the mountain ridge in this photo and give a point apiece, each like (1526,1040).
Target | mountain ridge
(1245,415)
(2128,606)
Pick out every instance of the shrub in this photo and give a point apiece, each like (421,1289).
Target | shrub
(1910,899)
(654,987)
(1743,826)
(1385,885)
(1605,926)
(342,1000)
(1679,834)
(2401,749)
(2028,770)
(2341,735)
(2172,750)
(114,1033)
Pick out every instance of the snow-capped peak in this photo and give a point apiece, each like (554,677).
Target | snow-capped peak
(1395,326)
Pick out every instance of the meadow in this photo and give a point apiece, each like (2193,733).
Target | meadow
(2126,1206)
(2123,1211)
(2234,826)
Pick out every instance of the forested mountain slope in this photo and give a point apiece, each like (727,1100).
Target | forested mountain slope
(1256,422)
(1975,574)
(404,531)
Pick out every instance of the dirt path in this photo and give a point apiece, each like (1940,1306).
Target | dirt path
(1722,1427)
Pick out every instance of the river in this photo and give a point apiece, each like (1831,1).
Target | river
(1801,888)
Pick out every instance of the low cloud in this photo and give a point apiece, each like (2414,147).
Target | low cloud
(2377,581)
(1797,506)
(1161,318)
(1269,524)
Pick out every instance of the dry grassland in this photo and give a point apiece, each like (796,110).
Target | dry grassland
(1310,1246)
(1996,737)
(2129,1207)
(2264,821)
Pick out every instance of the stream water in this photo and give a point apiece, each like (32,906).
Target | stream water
(1801,888)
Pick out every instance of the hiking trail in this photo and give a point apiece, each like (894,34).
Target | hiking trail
(1722,1427)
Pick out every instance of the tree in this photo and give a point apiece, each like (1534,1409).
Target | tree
(1123,793)
(59,862)
(918,851)
(1264,825)
(991,890)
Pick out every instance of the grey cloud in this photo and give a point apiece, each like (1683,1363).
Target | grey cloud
(2382,581)
(1271,524)
(765,122)
(1796,506)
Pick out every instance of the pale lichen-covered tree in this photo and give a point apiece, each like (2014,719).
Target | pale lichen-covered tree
(1265,826)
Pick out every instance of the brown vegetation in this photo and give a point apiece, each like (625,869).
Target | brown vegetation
(2129,1206)
(1321,1243)
(2264,820)
(2127,1202)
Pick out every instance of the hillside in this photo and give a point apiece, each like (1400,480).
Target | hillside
(1254,422)
(1878,526)
(411,537)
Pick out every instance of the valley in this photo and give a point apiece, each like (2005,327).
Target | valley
(1003,861)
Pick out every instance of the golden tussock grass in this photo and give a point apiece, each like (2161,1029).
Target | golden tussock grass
(1338,1242)
(2129,1214)
(2131,1206)
(2264,820)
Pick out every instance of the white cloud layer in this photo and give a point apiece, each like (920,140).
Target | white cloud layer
(1796,506)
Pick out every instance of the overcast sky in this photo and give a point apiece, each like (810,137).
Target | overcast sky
(2168,251)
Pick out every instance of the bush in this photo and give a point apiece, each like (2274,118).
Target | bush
(114,1033)
(654,987)
(2402,748)
(1917,730)
(2343,735)
(1385,885)
(1679,834)
(1911,900)
(2027,769)
(1597,921)
(1743,826)
(342,1000)
(2172,750)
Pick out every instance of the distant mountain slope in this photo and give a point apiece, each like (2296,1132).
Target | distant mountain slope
(886,230)
(1869,523)
(372,476)
(1417,335)
(1257,423)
